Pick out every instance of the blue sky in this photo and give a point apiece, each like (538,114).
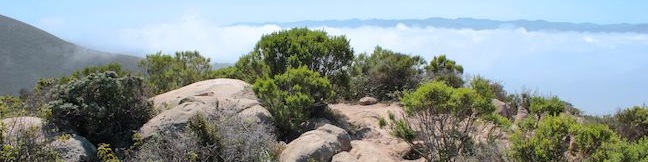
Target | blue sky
(598,72)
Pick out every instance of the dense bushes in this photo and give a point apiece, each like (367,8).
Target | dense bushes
(445,70)
(102,107)
(384,74)
(293,98)
(443,117)
(25,144)
(631,123)
(274,54)
(546,142)
(561,138)
(207,138)
(164,72)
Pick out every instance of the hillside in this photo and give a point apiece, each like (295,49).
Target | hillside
(28,53)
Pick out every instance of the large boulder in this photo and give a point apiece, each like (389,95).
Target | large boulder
(210,98)
(503,108)
(72,148)
(344,157)
(318,145)
(368,101)
(366,127)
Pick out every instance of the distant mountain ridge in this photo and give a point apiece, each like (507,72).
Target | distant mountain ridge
(28,53)
(468,23)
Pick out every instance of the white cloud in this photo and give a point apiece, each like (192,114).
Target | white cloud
(553,62)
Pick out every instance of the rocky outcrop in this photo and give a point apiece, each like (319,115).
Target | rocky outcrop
(503,108)
(369,138)
(74,148)
(209,97)
(522,113)
(369,152)
(344,157)
(318,145)
(367,101)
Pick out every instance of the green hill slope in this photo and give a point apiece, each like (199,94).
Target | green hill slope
(28,53)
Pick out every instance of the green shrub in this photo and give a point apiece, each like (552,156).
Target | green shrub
(224,137)
(548,142)
(384,74)
(444,116)
(631,123)
(11,106)
(382,122)
(114,67)
(445,70)
(542,105)
(102,107)
(105,153)
(274,54)
(293,98)
(25,144)
(636,151)
(596,142)
(165,73)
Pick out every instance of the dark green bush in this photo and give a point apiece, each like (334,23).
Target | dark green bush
(631,123)
(165,73)
(548,142)
(25,144)
(274,54)
(445,70)
(102,107)
(384,74)
(542,105)
(443,116)
(294,97)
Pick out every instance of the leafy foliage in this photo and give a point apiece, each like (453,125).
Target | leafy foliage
(105,153)
(596,142)
(293,98)
(164,72)
(384,73)
(444,116)
(552,106)
(632,123)
(274,54)
(445,70)
(25,144)
(546,143)
(114,67)
(102,107)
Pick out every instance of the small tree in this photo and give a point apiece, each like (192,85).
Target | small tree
(384,73)
(102,107)
(293,97)
(548,142)
(443,117)
(164,72)
(541,105)
(274,54)
(446,70)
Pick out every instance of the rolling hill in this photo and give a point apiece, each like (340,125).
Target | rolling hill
(28,53)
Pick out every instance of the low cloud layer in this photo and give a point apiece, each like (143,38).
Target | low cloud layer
(598,72)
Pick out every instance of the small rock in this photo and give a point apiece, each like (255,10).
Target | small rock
(368,101)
